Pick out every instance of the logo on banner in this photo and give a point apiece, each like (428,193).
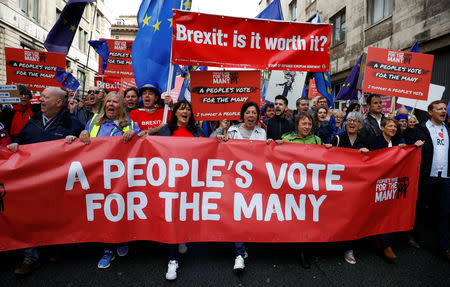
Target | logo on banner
(395,57)
(391,188)
(120,45)
(224,77)
(32,56)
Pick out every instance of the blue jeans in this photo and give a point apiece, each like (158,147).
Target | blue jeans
(239,249)
(32,253)
(439,188)
(173,251)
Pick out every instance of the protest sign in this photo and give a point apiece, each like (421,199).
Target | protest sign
(286,83)
(119,60)
(9,94)
(313,92)
(35,69)
(218,95)
(181,189)
(435,93)
(222,41)
(114,84)
(397,73)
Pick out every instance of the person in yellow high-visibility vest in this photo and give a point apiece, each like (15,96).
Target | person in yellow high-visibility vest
(111,121)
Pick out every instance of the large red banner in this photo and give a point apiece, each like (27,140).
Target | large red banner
(222,41)
(119,61)
(114,84)
(35,69)
(398,73)
(195,189)
(218,95)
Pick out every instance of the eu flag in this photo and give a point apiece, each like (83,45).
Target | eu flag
(61,36)
(348,90)
(101,47)
(273,11)
(152,47)
(67,80)
(415,47)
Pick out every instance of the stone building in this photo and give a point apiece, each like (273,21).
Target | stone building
(26,23)
(125,28)
(391,24)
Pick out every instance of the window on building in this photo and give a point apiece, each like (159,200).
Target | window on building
(85,12)
(24,5)
(311,1)
(86,44)
(379,9)
(97,21)
(293,10)
(81,77)
(35,9)
(58,14)
(116,37)
(338,27)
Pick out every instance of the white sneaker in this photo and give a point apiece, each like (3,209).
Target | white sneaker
(182,248)
(239,263)
(172,270)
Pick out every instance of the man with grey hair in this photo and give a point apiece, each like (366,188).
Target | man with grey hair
(53,123)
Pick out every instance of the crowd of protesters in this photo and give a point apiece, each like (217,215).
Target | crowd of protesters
(139,112)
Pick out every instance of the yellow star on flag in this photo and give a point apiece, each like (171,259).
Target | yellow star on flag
(326,77)
(170,20)
(156,26)
(329,91)
(187,5)
(145,20)
(73,28)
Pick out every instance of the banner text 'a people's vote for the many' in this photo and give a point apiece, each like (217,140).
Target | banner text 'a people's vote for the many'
(194,189)
(222,41)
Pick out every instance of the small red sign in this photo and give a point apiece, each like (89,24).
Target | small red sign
(312,93)
(114,84)
(119,61)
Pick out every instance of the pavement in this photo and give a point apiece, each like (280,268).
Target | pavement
(211,264)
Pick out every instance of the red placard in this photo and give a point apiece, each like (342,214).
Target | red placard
(398,73)
(35,69)
(114,84)
(196,189)
(218,95)
(222,41)
(119,61)
(312,93)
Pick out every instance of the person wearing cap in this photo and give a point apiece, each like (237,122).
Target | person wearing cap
(150,118)
(16,119)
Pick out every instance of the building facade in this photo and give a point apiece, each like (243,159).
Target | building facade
(125,28)
(390,24)
(26,23)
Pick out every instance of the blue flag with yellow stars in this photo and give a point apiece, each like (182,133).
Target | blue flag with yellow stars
(273,11)
(67,80)
(101,47)
(152,47)
(61,36)
(348,90)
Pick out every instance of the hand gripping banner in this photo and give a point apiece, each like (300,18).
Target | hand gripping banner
(195,189)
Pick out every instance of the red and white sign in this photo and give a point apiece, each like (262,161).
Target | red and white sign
(119,61)
(313,92)
(114,84)
(35,69)
(398,73)
(218,95)
(222,41)
(181,189)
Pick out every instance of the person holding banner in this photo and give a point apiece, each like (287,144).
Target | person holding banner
(16,119)
(111,121)
(181,124)
(150,118)
(53,123)
(321,124)
(434,181)
(279,124)
(248,130)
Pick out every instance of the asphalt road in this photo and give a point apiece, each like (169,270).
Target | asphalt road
(210,264)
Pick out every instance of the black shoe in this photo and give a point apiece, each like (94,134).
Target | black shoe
(304,260)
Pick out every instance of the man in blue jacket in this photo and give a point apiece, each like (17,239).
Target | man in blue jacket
(55,122)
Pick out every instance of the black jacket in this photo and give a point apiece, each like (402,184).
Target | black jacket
(421,132)
(277,126)
(371,128)
(165,131)
(9,115)
(342,140)
(378,142)
(62,125)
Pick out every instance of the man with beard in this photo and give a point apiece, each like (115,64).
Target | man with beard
(278,124)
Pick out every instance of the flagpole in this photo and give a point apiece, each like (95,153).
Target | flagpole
(169,84)
(89,48)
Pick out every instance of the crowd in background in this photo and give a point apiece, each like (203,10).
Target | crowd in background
(65,115)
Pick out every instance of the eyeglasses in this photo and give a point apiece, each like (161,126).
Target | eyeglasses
(97,92)
(352,121)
